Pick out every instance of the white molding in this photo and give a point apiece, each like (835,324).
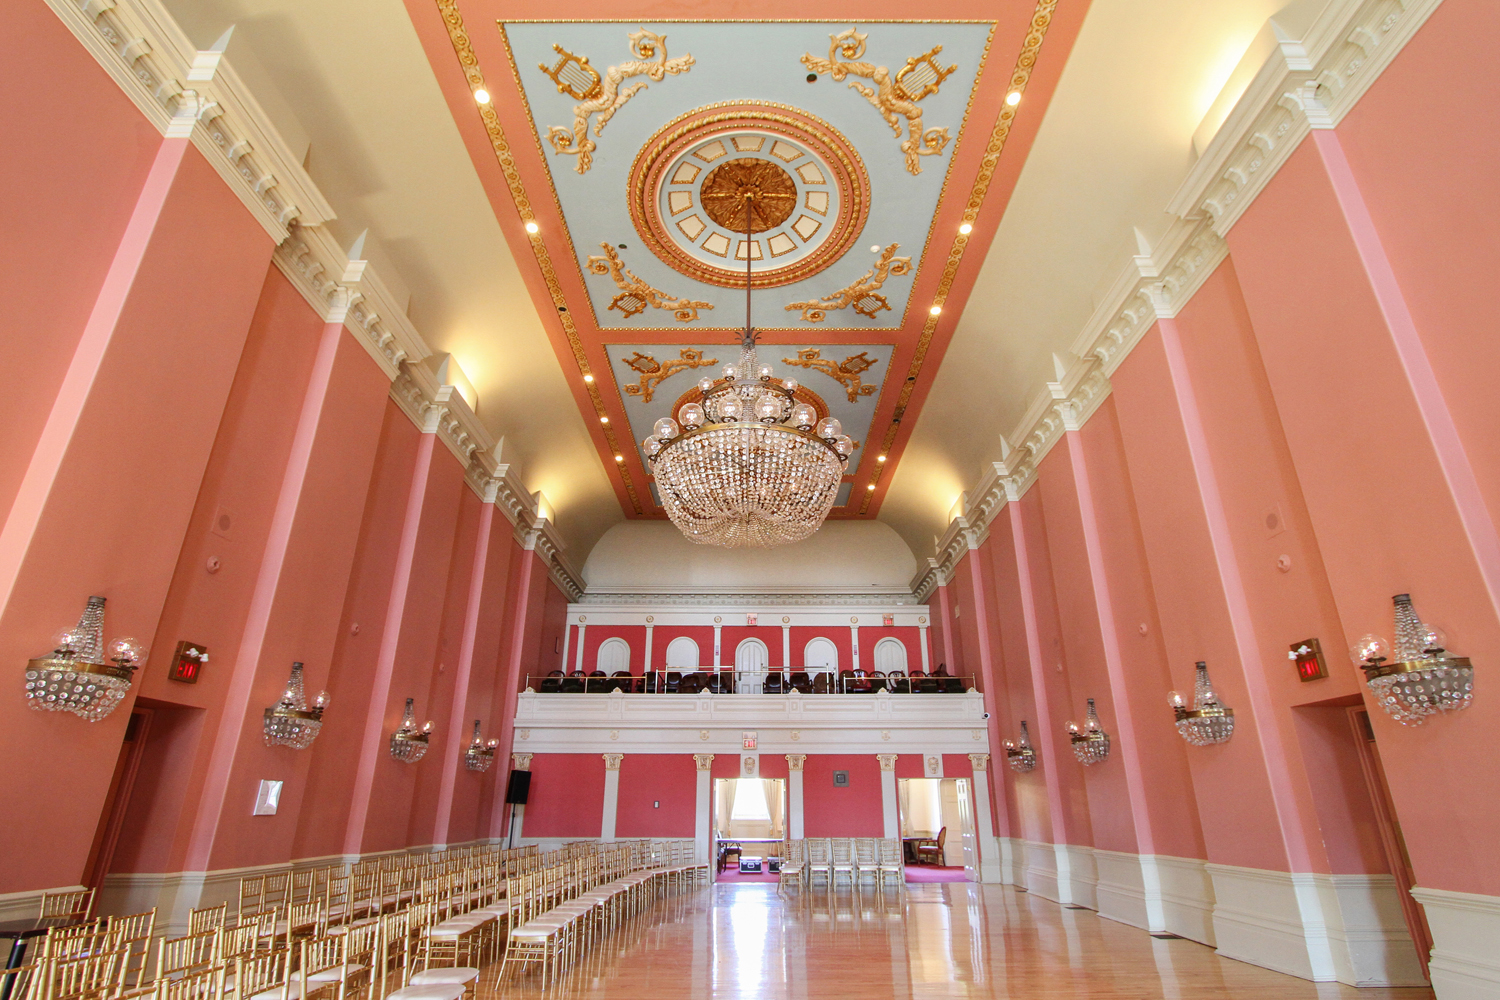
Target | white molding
(1187,897)
(1120,889)
(810,615)
(1312,82)
(1465,927)
(874,601)
(185,92)
(1322,76)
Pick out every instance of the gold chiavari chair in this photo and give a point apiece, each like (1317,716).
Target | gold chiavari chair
(96,976)
(793,865)
(207,918)
(188,955)
(207,985)
(866,860)
(265,977)
(819,860)
(891,865)
(75,903)
(134,934)
(344,962)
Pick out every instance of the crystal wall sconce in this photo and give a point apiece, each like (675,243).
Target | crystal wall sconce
(480,754)
(1019,754)
(1091,743)
(290,722)
(409,744)
(75,676)
(1422,679)
(1208,721)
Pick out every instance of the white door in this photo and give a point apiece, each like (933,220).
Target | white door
(890,654)
(750,659)
(682,654)
(966,824)
(614,654)
(821,654)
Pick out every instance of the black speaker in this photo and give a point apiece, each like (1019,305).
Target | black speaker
(518,788)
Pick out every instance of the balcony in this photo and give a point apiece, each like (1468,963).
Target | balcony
(765,681)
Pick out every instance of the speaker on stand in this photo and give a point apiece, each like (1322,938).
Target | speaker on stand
(517,789)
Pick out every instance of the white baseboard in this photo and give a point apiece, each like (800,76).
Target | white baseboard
(1121,889)
(1039,869)
(1187,898)
(1465,962)
(1077,876)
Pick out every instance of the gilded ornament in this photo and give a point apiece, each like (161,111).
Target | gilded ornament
(846,373)
(746,184)
(893,97)
(654,372)
(862,293)
(573,75)
(635,295)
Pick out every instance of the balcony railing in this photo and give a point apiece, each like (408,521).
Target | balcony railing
(768,680)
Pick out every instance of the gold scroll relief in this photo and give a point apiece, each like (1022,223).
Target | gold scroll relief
(635,295)
(894,97)
(846,373)
(654,372)
(862,294)
(575,77)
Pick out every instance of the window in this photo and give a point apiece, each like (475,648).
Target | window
(750,801)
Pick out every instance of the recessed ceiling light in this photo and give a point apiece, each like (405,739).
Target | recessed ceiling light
(1013,98)
(876,248)
(604,420)
(482,96)
(880,459)
(966,229)
(936,310)
(871,487)
(619,458)
(588,378)
(533,228)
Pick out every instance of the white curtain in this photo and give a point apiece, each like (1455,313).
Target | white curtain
(728,790)
(771,788)
(903,804)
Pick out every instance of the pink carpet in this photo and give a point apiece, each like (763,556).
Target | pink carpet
(934,873)
(735,875)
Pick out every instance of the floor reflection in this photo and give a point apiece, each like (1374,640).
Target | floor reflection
(735,941)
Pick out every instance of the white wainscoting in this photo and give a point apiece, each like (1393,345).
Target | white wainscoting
(1121,890)
(1465,943)
(1187,898)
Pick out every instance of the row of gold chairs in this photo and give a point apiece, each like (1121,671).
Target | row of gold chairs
(853,859)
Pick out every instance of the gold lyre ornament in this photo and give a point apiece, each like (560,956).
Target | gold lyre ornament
(604,96)
(862,295)
(636,295)
(573,75)
(892,97)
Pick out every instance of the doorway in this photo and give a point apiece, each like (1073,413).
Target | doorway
(937,829)
(749,825)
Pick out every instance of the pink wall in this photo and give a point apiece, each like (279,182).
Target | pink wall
(842,812)
(839,636)
(595,636)
(567,796)
(647,779)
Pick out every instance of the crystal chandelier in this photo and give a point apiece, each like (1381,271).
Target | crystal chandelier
(1019,754)
(745,465)
(1423,679)
(75,678)
(1208,721)
(1090,744)
(289,722)
(480,754)
(409,744)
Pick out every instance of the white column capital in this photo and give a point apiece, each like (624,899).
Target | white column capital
(520,761)
(794,761)
(705,761)
(888,761)
(612,761)
(981,761)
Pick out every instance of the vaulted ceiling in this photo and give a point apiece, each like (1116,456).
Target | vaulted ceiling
(625,137)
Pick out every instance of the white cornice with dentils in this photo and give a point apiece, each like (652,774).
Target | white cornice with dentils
(1306,83)
(187,92)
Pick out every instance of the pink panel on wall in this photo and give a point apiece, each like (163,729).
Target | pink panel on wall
(595,636)
(855,811)
(567,796)
(662,636)
(646,779)
(838,635)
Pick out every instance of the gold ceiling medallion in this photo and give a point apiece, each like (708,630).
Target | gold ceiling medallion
(759,187)
(574,76)
(862,294)
(635,295)
(654,372)
(846,373)
(921,78)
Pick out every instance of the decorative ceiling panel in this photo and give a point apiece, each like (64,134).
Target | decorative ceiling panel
(617,155)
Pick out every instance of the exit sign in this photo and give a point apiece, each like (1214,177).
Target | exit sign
(1307,657)
(748,743)
(187,662)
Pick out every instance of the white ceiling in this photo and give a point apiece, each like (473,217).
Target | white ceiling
(351,78)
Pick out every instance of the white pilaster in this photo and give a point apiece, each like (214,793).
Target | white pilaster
(718,642)
(888,813)
(703,800)
(646,663)
(786,645)
(567,635)
(611,795)
(989,848)
(578,666)
(854,642)
(926,657)
(794,762)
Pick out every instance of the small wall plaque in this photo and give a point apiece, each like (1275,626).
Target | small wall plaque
(187,662)
(1307,657)
(840,779)
(267,798)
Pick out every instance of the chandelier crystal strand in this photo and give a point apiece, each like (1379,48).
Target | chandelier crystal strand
(1090,744)
(741,466)
(1208,721)
(290,722)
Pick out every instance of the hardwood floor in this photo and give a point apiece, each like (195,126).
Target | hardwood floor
(940,940)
